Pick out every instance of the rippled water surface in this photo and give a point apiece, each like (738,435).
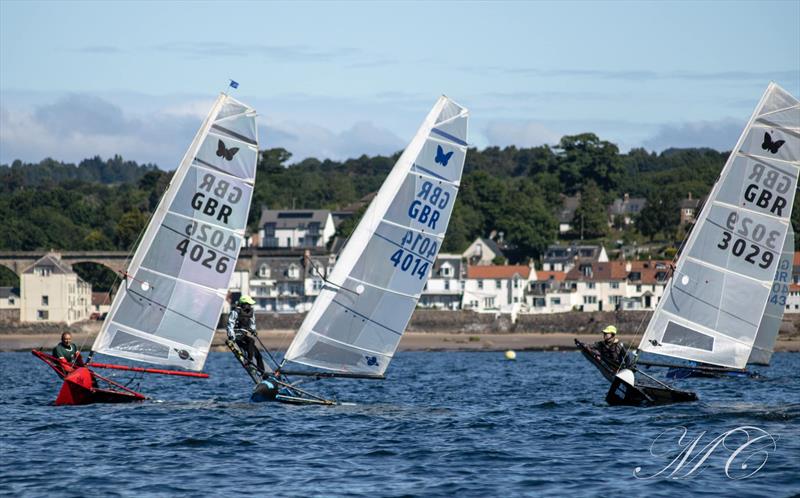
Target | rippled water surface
(442,424)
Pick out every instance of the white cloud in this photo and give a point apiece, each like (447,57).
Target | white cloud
(520,133)
(720,135)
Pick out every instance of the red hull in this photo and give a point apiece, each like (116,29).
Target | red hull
(82,386)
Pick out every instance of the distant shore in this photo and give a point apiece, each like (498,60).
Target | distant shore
(278,340)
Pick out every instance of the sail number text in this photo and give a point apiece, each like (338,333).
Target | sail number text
(204,254)
(760,191)
(748,232)
(409,260)
(213,202)
(425,208)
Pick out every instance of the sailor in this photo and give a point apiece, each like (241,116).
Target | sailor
(67,353)
(242,330)
(611,350)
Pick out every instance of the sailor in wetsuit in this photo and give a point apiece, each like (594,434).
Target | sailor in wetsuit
(611,350)
(67,353)
(242,328)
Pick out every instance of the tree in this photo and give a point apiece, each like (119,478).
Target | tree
(590,219)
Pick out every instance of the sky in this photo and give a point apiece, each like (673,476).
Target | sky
(341,79)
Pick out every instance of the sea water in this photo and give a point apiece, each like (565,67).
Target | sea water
(441,424)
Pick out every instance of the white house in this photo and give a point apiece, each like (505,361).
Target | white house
(306,228)
(9,298)
(618,285)
(445,285)
(482,252)
(498,288)
(283,284)
(52,292)
(564,258)
(547,293)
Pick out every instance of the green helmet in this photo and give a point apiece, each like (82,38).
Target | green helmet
(246,300)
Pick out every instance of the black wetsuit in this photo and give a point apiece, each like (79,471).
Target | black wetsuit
(614,354)
(238,321)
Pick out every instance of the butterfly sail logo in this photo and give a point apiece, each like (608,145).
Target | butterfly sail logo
(228,154)
(441,157)
(771,145)
(372,361)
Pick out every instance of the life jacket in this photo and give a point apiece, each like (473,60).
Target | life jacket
(243,319)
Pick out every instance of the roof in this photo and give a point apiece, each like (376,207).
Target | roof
(641,272)
(100,298)
(498,271)
(293,218)
(453,260)
(492,245)
(568,207)
(53,262)
(796,261)
(794,287)
(558,276)
(689,203)
(279,267)
(6,292)
(562,254)
(630,205)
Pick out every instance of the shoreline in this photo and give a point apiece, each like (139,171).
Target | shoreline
(279,340)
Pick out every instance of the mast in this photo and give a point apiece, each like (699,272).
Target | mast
(356,322)
(168,307)
(712,306)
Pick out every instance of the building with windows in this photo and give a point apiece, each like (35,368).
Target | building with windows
(498,288)
(51,292)
(303,228)
(482,251)
(625,209)
(445,285)
(563,258)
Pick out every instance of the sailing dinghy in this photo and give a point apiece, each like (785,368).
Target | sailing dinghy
(713,306)
(354,327)
(167,309)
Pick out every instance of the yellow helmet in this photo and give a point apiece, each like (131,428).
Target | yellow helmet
(610,330)
(246,300)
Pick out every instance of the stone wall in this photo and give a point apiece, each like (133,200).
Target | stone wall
(9,315)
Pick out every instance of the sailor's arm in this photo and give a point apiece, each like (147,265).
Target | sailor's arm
(232,317)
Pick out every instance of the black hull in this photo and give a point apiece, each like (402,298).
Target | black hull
(640,394)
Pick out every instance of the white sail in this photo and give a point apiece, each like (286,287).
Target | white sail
(356,322)
(169,306)
(776,305)
(712,307)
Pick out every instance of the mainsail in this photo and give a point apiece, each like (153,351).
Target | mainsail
(776,305)
(169,306)
(712,307)
(357,320)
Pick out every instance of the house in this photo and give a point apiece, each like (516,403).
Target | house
(547,293)
(304,228)
(625,209)
(498,288)
(482,252)
(689,208)
(101,303)
(283,283)
(618,285)
(445,285)
(9,304)
(566,214)
(52,292)
(563,258)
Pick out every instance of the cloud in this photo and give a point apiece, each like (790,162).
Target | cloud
(305,140)
(99,49)
(720,135)
(520,133)
(77,126)
(791,75)
(289,53)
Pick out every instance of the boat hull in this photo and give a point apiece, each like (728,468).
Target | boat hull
(82,386)
(622,393)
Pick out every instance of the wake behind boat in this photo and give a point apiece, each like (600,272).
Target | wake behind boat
(167,309)
(713,308)
(355,324)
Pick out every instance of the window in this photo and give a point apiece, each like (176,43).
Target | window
(42,315)
(488,302)
(264,271)
(42,271)
(45,301)
(555,301)
(638,288)
(316,284)
(446,270)
(589,299)
(614,300)
(516,299)
(293,271)
(480,284)
(498,284)
(11,301)
(516,283)
(538,302)
(446,285)
(615,285)
(590,285)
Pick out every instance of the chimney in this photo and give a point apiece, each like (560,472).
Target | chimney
(626,197)
(628,267)
(690,196)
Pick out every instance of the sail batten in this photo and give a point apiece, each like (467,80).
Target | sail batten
(712,309)
(168,307)
(380,274)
